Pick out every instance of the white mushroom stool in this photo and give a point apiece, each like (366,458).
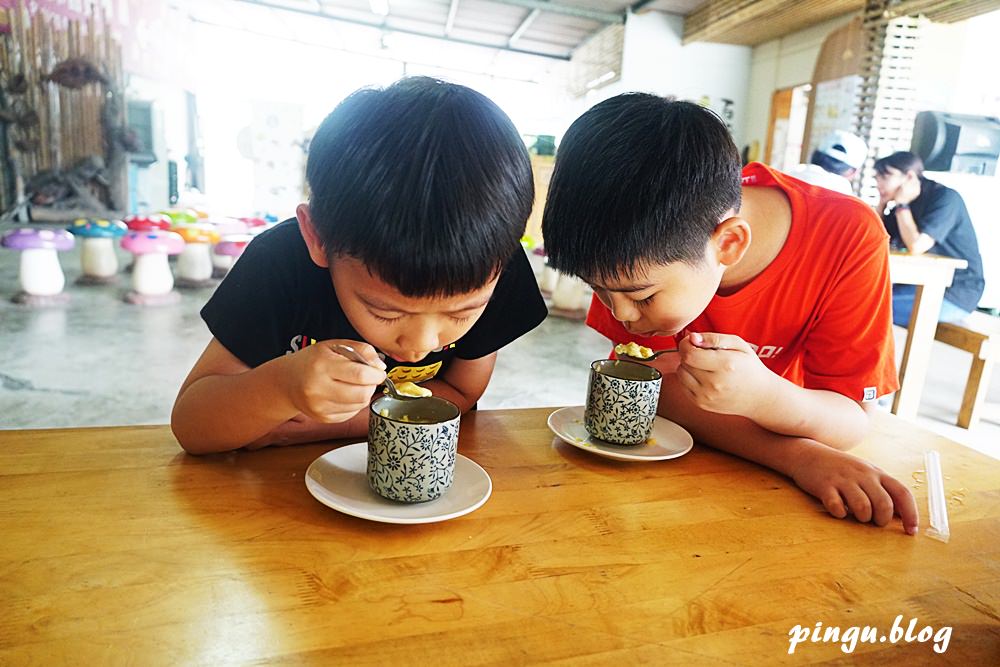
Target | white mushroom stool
(97,254)
(194,266)
(225,227)
(232,246)
(152,281)
(40,273)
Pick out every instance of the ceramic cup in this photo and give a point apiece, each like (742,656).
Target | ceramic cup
(621,401)
(411,447)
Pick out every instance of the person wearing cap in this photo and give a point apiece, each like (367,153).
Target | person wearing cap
(923,216)
(834,163)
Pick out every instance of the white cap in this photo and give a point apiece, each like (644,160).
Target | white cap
(846,147)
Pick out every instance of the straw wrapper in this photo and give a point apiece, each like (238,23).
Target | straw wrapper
(935,498)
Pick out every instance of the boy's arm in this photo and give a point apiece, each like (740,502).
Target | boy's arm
(464,381)
(721,373)
(224,405)
(843,483)
(462,384)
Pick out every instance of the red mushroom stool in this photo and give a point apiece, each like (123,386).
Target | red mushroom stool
(152,281)
(40,273)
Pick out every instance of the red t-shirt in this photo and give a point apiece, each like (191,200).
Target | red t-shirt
(820,314)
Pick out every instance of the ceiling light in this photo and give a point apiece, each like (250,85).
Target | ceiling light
(607,76)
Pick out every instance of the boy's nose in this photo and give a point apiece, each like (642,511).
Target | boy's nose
(419,339)
(623,310)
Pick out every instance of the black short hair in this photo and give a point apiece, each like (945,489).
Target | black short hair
(639,180)
(427,183)
(831,164)
(904,161)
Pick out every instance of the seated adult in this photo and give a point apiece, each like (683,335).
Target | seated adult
(834,163)
(923,216)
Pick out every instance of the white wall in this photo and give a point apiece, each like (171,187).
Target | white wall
(655,61)
(782,63)
(954,72)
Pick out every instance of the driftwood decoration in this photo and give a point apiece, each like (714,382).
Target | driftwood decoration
(62,118)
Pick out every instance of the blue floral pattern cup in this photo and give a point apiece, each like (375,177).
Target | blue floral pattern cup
(621,401)
(412,446)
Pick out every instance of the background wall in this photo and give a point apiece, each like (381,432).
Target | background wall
(655,61)
(782,63)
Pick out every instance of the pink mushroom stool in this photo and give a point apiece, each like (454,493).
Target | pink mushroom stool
(232,246)
(152,281)
(225,227)
(40,273)
(146,222)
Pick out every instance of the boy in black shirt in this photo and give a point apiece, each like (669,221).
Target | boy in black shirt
(925,216)
(408,251)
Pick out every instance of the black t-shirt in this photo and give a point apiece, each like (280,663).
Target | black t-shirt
(276,301)
(941,214)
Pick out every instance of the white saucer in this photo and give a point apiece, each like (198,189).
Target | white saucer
(669,439)
(339,479)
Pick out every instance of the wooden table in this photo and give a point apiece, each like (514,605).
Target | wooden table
(931,274)
(119,549)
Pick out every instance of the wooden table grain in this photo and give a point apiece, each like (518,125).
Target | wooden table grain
(931,274)
(117,548)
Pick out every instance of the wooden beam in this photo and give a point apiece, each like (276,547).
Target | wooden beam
(751,22)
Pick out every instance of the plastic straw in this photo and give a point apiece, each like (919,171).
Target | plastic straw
(935,497)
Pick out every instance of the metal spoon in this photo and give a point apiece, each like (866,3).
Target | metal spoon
(352,354)
(649,358)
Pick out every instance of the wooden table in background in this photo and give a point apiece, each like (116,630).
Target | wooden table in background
(116,548)
(931,274)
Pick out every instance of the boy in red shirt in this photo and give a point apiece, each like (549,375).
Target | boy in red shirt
(775,292)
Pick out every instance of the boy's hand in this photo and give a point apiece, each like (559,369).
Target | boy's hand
(847,485)
(328,387)
(723,374)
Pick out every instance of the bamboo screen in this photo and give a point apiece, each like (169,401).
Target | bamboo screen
(58,125)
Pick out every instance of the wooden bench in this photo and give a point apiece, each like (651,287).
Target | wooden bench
(978,334)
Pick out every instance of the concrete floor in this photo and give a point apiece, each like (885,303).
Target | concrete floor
(100,361)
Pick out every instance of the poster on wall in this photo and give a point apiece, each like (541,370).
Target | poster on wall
(273,141)
(834,108)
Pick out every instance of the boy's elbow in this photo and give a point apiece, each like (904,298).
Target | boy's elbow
(184,435)
(855,433)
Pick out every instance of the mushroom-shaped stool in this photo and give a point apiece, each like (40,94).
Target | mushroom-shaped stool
(40,273)
(152,282)
(97,255)
(181,216)
(232,246)
(146,222)
(256,225)
(225,227)
(194,266)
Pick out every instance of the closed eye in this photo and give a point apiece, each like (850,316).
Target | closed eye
(645,302)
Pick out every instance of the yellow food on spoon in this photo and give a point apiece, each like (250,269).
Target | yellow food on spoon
(413,389)
(633,349)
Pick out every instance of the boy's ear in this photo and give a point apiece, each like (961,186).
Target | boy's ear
(311,237)
(731,239)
